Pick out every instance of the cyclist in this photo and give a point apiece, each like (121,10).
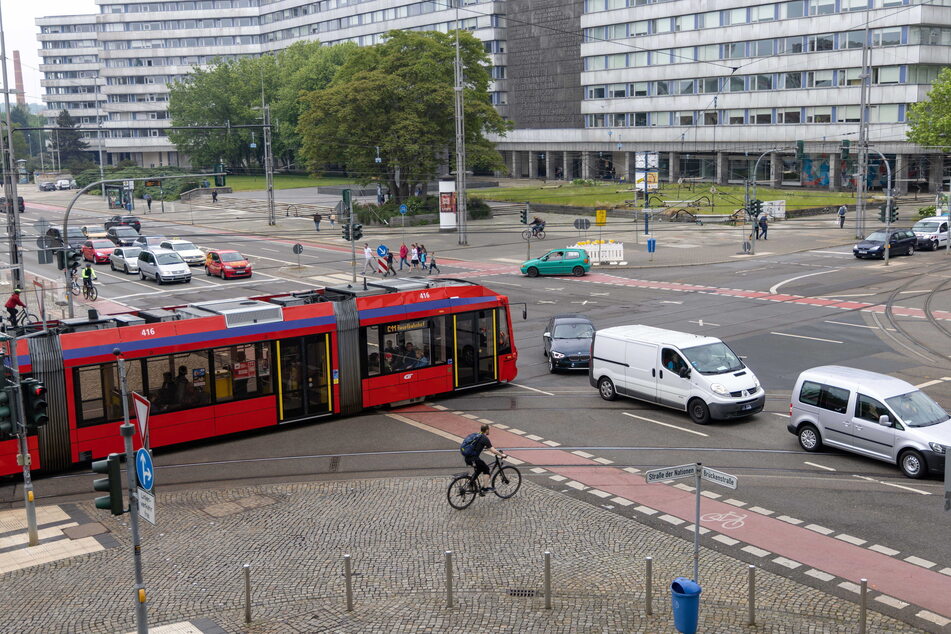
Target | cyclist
(89,276)
(472,448)
(12,304)
(536,225)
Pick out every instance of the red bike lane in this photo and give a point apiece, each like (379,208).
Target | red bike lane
(899,579)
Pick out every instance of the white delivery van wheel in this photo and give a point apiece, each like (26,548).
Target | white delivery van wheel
(699,412)
(606,389)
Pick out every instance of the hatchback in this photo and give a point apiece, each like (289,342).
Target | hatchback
(567,342)
(226,264)
(900,242)
(122,235)
(163,266)
(55,237)
(125,259)
(127,221)
(192,255)
(97,251)
(558,262)
(47,187)
(148,242)
(932,233)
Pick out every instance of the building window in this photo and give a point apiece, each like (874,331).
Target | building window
(660,119)
(638,89)
(710,117)
(853,5)
(617,90)
(761,116)
(595,92)
(823,42)
(819,78)
(736,84)
(660,57)
(708,53)
(734,16)
(792,45)
(662,25)
(662,87)
(848,114)
(684,23)
(850,77)
(885,113)
(709,20)
(639,119)
(685,87)
(617,61)
(887,37)
(709,85)
(734,50)
(790,81)
(821,7)
(685,118)
(615,120)
(736,117)
(887,75)
(795,9)
(761,48)
(763,13)
(762,82)
(793,115)
(640,28)
(855,39)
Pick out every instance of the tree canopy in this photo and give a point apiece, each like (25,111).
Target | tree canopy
(388,113)
(70,144)
(930,120)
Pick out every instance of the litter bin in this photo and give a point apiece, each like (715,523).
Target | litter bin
(685,596)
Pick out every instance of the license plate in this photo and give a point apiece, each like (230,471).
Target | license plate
(862,251)
(239,270)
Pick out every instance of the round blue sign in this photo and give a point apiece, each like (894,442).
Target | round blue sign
(404,209)
(144,469)
(382,250)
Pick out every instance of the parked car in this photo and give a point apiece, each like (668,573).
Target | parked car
(900,241)
(692,373)
(21,206)
(871,414)
(227,264)
(125,259)
(163,265)
(97,251)
(122,235)
(127,221)
(192,255)
(567,342)
(48,186)
(76,237)
(62,183)
(932,233)
(148,242)
(558,262)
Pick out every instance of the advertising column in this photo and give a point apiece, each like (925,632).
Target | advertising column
(447,206)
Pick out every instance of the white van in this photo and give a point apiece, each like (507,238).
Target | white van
(871,414)
(699,375)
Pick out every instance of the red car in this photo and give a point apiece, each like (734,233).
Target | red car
(225,264)
(97,251)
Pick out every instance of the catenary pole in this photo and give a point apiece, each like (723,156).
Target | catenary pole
(10,186)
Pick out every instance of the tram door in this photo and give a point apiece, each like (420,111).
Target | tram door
(304,371)
(475,348)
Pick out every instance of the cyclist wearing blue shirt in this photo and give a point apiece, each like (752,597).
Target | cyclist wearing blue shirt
(480,444)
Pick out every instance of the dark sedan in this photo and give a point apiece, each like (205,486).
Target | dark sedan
(123,236)
(900,242)
(123,221)
(567,342)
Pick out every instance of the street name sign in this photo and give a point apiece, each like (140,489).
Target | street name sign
(671,473)
(719,477)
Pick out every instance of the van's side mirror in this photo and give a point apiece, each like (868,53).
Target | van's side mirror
(684,373)
(546,335)
(884,421)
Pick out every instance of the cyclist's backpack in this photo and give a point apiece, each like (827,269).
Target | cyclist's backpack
(470,446)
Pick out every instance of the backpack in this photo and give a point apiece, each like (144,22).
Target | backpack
(470,446)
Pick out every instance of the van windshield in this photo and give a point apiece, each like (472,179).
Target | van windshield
(169,258)
(713,358)
(916,409)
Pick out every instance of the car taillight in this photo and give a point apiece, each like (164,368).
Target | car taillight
(586,260)
(790,409)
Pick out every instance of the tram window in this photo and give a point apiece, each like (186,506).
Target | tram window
(439,340)
(373,356)
(485,328)
(242,371)
(192,387)
(415,344)
(161,383)
(90,395)
(505,346)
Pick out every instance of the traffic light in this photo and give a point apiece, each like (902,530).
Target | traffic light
(756,207)
(524,219)
(74,258)
(357,232)
(7,424)
(346,232)
(346,199)
(34,403)
(800,150)
(111,483)
(844,153)
(883,213)
(893,214)
(61,259)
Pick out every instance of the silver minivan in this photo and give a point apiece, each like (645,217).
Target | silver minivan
(871,414)
(164,266)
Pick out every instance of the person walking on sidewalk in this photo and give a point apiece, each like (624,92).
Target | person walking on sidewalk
(389,264)
(762,225)
(414,257)
(317,219)
(333,220)
(403,253)
(432,263)
(214,195)
(368,258)
(422,257)
(148,200)
(842,211)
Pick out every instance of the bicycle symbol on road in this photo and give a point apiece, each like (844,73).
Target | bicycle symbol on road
(728,520)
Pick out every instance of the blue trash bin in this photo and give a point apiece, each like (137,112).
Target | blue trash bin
(685,595)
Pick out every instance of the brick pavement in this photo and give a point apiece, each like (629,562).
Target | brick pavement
(294,536)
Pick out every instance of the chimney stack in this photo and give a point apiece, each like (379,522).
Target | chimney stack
(18,78)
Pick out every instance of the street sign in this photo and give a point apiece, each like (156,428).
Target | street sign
(128,184)
(382,250)
(298,248)
(146,505)
(142,408)
(671,473)
(600,217)
(718,477)
(646,160)
(144,470)
(582,224)
(404,209)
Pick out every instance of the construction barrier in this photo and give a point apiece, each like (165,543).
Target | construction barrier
(602,252)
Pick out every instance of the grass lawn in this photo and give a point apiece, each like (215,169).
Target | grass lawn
(726,199)
(282,181)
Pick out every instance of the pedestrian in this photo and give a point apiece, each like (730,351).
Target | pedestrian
(422,257)
(317,219)
(333,219)
(214,195)
(148,200)
(761,226)
(842,211)
(368,258)
(419,191)
(403,253)
(389,264)
(414,257)
(432,263)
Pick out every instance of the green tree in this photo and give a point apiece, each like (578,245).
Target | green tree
(930,120)
(68,142)
(398,96)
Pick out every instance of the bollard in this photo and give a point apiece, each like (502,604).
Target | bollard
(346,576)
(751,618)
(448,578)
(247,593)
(648,597)
(863,602)
(547,580)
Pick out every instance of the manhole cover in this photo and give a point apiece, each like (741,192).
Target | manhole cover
(334,464)
(521,592)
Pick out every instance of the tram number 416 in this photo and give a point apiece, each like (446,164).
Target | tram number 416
(424,295)
(147,332)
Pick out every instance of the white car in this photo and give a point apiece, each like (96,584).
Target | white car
(192,255)
(163,266)
(125,259)
(932,233)
(62,183)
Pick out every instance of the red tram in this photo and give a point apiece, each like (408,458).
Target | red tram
(220,367)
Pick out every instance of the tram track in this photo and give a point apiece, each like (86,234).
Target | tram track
(930,354)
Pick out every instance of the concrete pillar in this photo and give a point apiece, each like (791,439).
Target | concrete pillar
(586,165)
(935,172)
(835,173)
(723,168)
(775,169)
(532,164)
(673,167)
(514,166)
(566,166)
(549,166)
(900,175)
(628,167)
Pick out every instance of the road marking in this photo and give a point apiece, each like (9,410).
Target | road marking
(855,541)
(818,574)
(891,601)
(918,561)
(583,454)
(833,252)
(782,415)
(789,520)
(507,260)
(775,287)
(753,550)
(934,618)
(845,323)
(525,387)
(822,530)
(849,295)
(425,427)
(890,484)
(783,334)
(891,552)
(657,422)
(723,539)
(818,466)
(921,386)
(699,322)
(666,301)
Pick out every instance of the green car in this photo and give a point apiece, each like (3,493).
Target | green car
(570,261)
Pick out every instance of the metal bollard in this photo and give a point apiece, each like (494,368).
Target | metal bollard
(751,618)
(247,593)
(448,578)
(547,580)
(863,602)
(648,595)
(349,583)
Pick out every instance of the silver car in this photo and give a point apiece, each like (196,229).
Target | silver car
(125,259)
(163,266)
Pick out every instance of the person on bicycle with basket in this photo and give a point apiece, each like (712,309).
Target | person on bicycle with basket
(12,303)
(89,275)
(471,448)
(536,225)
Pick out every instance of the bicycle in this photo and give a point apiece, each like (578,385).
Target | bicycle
(90,292)
(528,234)
(505,480)
(23,318)
(74,286)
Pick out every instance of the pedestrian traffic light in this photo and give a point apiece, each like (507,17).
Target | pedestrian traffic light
(74,259)
(357,232)
(844,153)
(35,405)
(524,219)
(346,232)
(111,483)
(883,212)
(7,424)
(800,150)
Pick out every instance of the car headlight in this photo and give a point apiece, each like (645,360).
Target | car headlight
(936,447)
(557,355)
(719,389)
(756,382)
(228,268)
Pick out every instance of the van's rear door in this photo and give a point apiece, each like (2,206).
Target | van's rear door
(640,374)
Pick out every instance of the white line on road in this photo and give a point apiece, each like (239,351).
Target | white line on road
(833,252)
(779,414)
(507,260)
(775,287)
(818,466)
(845,323)
(784,334)
(921,386)
(890,484)
(852,295)
(525,387)
(668,301)
(657,422)
(699,322)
